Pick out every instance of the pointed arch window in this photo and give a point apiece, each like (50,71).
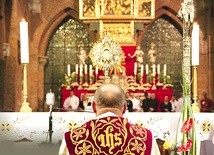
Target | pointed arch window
(63,49)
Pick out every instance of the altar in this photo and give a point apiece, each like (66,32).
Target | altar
(115,64)
(34,126)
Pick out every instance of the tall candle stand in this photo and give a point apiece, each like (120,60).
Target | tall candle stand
(195,87)
(25,105)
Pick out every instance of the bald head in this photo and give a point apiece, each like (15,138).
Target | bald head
(109,96)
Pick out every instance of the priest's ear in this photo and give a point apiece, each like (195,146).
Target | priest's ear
(124,107)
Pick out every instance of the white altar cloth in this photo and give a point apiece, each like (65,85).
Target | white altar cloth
(34,126)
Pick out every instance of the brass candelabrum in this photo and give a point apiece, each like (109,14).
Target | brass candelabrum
(195,89)
(25,105)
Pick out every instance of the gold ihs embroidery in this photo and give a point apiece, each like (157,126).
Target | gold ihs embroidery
(109,138)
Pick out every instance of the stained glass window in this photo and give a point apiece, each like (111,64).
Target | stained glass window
(167,37)
(63,49)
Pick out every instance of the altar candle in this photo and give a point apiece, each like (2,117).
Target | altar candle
(81,70)
(135,68)
(147,69)
(90,70)
(76,68)
(164,70)
(69,70)
(86,69)
(153,69)
(96,70)
(24,41)
(158,69)
(141,70)
(195,44)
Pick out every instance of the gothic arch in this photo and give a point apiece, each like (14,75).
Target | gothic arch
(167,15)
(52,25)
(44,32)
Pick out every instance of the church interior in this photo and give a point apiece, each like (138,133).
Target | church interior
(49,45)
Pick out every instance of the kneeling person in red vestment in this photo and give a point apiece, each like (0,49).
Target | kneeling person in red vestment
(110,133)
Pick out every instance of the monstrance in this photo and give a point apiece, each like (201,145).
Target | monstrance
(108,56)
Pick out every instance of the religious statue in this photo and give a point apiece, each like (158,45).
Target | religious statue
(139,56)
(187,11)
(152,54)
(82,56)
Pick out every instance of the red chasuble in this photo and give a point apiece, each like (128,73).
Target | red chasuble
(109,135)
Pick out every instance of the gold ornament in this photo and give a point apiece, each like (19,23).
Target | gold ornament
(107,55)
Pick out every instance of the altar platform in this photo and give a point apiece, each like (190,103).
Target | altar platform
(34,126)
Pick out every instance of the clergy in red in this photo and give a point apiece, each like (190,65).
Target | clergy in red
(110,133)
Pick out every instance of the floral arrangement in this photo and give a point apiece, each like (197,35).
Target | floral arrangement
(185,142)
(68,80)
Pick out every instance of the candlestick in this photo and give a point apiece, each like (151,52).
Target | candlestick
(158,77)
(24,59)
(69,70)
(86,69)
(195,44)
(90,70)
(135,68)
(141,71)
(76,69)
(96,74)
(153,69)
(164,70)
(147,69)
(25,105)
(81,70)
(24,41)
(96,70)
(158,69)
(195,89)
